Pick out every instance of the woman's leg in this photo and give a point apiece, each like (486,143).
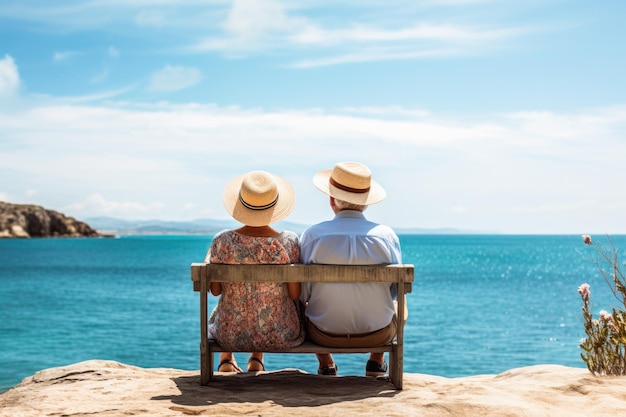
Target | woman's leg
(228,363)
(255,363)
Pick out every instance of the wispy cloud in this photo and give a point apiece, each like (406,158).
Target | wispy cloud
(375,54)
(115,149)
(386,112)
(174,78)
(113,52)
(368,32)
(544,132)
(151,18)
(94,97)
(163,154)
(423,31)
(9,77)
(251,20)
(101,76)
(255,26)
(96,203)
(94,14)
(63,56)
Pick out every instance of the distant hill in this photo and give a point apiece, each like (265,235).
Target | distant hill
(439,231)
(198,226)
(111,225)
(122,226)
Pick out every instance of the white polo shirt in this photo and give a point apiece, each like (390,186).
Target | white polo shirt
(349,239)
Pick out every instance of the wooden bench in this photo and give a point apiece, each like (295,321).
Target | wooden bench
(203,274)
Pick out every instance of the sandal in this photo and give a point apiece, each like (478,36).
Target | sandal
(231,363)
(332,370)
(254,361)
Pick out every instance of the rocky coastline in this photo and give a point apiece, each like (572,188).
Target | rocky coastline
(32,221)
(107,389)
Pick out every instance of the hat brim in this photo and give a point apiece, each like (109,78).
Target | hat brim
(249,217)
(376,193)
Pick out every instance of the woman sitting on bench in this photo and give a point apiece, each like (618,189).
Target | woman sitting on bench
(255,316)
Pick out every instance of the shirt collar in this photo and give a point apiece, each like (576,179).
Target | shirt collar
(353,214)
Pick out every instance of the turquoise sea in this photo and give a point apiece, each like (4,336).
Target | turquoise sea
(481,304)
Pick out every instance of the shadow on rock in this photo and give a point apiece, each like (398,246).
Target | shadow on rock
(288,388)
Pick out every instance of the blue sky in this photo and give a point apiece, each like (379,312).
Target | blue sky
(481,115)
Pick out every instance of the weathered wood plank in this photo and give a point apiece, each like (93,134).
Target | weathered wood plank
(303,273)
(407,286)
(310,347)
(206,358)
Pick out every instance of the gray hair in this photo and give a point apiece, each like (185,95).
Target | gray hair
(344,205)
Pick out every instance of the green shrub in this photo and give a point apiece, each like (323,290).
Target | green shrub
(604,348)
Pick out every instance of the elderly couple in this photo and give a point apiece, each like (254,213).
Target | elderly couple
(257,317)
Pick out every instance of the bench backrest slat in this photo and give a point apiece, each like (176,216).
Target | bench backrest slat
(302,273)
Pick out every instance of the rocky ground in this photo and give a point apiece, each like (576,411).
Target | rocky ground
(106,388)
(27,220)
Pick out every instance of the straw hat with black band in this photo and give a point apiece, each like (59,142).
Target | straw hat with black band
(351,182)
(258,198)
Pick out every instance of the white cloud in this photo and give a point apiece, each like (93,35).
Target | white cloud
(63,56)
(113,52)
(96,203)
(174,78)
(257,25)
(104,74)
(387,112)
(362,43)
(454,2)
(418,32)
(253,19)
(372,55)
(9,77)
(150,18)
(101,76)
(359,32)
(458,209)
(171,161)
(99,96)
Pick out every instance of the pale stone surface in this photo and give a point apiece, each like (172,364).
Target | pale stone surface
(106,388)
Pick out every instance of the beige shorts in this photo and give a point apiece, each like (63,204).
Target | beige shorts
(380,337)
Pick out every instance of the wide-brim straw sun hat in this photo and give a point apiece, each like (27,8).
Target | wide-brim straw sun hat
(258,198)
(351,182)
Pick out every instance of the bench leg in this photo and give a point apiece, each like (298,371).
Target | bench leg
(395,367)
(211,363)
(398,346)
(206,359)
(392,363)
(206,364)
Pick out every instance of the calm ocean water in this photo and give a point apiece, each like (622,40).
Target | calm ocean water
(481,304)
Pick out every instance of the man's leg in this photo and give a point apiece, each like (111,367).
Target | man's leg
(376,365)
(327,364)
(378,357)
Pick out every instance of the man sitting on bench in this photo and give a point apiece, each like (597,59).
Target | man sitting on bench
(350,314)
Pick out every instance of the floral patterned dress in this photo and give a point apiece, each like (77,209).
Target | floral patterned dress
(255,316)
